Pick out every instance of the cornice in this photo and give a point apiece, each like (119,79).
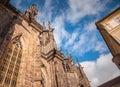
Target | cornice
(107,15)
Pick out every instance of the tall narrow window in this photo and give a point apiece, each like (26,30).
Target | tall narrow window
(11,63)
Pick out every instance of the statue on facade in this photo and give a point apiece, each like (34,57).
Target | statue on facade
(31,12)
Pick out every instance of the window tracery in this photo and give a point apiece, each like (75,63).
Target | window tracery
(10,63)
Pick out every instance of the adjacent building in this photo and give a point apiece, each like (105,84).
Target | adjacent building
(109,28)
(28,53)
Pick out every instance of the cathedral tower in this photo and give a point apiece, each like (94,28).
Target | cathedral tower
(28,53)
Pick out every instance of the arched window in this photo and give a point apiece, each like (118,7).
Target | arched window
(10,63)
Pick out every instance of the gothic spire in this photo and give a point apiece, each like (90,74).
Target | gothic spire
(43,25)
(49,25)
(61,49)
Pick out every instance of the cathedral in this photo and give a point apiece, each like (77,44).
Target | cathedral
(28,53)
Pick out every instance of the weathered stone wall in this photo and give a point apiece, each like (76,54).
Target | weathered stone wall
(41,63)
(30,44)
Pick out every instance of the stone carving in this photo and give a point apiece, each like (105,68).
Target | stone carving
(66,66)
(42,81)
(31,12)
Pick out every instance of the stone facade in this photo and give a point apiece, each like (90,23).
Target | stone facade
(29,56)
(109,27)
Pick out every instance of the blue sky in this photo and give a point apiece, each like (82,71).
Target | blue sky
(75,31)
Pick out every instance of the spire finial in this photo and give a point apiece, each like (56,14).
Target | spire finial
(49,25)
(77,59)
(78,62)
(43,25)
(68,55)
(61,49)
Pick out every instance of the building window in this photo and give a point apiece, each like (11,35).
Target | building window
(18,61)
(19,56)
(9,72)
(13,83)
(1,78)
(7,56)
(7,81)
(9,50)
(2,68)
(11,66)
(16,69)
(5,62)
(15,53)
(15,74)
(12,57)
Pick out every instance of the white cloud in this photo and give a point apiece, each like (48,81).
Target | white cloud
(90,26)
(59,33)
(100,46)
(100,71)
(71,39)
(88,41)
(81,8)
(45,14)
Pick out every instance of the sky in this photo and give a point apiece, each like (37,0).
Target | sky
(75,30)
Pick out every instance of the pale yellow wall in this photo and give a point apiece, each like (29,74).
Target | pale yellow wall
(112,25)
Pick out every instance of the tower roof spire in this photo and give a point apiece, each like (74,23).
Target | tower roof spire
(43,25)
(61,49)
(49,25)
